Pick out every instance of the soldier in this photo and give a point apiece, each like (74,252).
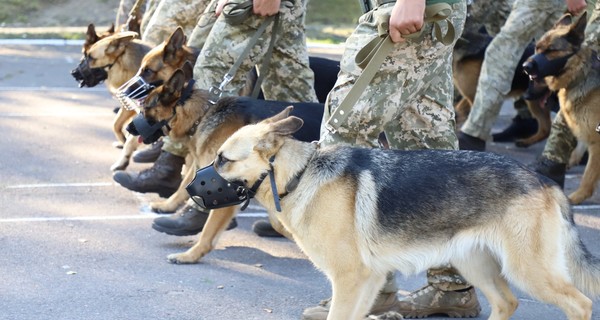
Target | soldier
(527,20)
(410,99)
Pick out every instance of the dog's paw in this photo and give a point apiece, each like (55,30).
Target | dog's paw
(162,207)
(181,258)
(117,144)
(579,196)
(119,165)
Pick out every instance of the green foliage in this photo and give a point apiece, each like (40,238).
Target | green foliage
(335,13)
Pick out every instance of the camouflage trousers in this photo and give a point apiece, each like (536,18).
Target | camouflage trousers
(527,20)
(289,77)
(562,142)
(169,15)
(490,14)
(409,98)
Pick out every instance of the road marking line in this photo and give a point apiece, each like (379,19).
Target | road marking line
(141,216)
(58,89)
(61,185)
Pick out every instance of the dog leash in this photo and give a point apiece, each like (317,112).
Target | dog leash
(371,57)
(237,14)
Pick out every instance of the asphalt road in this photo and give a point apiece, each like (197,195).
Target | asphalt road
(74,245)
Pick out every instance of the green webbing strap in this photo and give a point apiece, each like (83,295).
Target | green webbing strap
(236,15)
(371,56)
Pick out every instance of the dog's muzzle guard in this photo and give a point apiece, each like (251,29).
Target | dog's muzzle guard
(89,77)
(133,92)
(539,66)
(150,132)
(211,191)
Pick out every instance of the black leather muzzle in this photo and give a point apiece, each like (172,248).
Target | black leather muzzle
(149,131)
(210,191)
(538,66)
(88,77)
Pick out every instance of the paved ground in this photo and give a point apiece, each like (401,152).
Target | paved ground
(73,245)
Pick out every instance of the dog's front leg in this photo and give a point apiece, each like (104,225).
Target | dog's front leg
(131,144)
(217,222)
(180,196)
(354,292)
(590,176)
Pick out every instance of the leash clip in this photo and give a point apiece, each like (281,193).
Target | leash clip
(215,93)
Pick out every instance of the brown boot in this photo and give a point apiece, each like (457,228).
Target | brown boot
(163,177)
(430,300)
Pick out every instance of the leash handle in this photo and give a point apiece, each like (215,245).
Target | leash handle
(372,55)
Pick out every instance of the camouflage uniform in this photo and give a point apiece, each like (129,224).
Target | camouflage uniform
(410,99)
(123,11)
(289,76)
(171,14)
(527,20)
(562,142)
(491,14)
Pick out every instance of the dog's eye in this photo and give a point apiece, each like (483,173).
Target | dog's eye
(147,72)
(221,160)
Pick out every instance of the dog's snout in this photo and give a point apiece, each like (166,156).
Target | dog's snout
(529,67)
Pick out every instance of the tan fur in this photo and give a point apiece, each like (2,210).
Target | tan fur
(579,96)
(524,242)
(124,52)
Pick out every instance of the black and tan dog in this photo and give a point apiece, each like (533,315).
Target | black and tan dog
(571,68)
(468,56)
(112,59)
(360,213)
(204,127)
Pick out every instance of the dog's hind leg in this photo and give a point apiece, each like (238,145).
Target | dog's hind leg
(217,222)
(590,176)
(483,271)
(354,292)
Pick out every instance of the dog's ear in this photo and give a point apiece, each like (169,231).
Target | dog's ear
(176,82)
(188,70)
(111,29)
(119,41)
(175,42)
(565,20)
(280,116)
(287,126)
(90,36)
(577,31)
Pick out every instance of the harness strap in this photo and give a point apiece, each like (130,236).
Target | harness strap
(371,56)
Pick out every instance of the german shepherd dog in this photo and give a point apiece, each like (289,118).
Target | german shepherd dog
(113,59)
(360,213)
(204,126)
(468,55)
(576,78)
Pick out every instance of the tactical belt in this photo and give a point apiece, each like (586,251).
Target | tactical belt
(371,56)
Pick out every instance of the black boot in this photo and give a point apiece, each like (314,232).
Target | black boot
(468,142)
(187,221)
(263,228)
(519,128)
(150,154)
(163,177)
(551,169)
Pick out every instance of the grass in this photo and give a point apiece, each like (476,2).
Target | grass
(328,21)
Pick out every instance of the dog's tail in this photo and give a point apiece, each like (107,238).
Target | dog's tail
(584,268)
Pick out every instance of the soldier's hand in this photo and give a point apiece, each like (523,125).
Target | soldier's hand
(265,8)
(576,7)
(407,17)
(220,6)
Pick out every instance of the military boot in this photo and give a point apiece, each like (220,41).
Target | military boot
(431,300)
(150,154)
(551,169)
(519,128)
(187,221)
(263,228)
(468,142)
(163,177)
